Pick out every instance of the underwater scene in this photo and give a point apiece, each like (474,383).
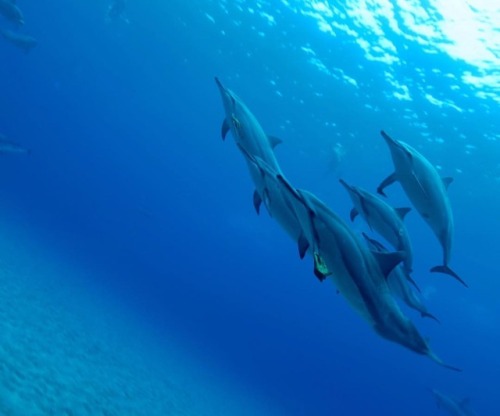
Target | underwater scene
(250,207)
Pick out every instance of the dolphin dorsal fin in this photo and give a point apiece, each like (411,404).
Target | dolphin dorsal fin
(224,129)
(447,181)
(388,261)
(402,212)
(274,141)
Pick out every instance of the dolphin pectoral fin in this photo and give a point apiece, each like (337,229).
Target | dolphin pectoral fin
(429,315)
(224,129)
(274,141)
(448,271)
(353,214)
(257,201)
(303,245)
(320,269)
(447,181)
(402,212)
(414,284)
(385,183)
(388,261)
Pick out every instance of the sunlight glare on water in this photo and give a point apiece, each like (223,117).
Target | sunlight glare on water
(466,30)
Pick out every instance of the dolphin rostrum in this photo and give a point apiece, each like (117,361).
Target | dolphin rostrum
(383,218)
(359,274)
(250,135)
(398,283)
(427,192)
(452,406)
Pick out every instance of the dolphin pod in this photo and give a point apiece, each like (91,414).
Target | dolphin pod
(452,406)
(384,219)
(398,283)
(427,192)
(365,274)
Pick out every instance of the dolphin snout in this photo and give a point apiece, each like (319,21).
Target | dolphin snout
(219,84)
(346,185)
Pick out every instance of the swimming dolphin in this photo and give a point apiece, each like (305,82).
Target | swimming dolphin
(452,406)
(249,134)
(383,218)
(117,9)
(24,42)
(281,209)
(427,192)
(398,283)
(359,274)
(7,146)
(11,12)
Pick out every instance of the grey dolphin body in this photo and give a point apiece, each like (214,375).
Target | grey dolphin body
(281,208)
(11,12)
(359,274)
(427,192)
(24,42)
(7,146)
(383,218)
(398,283)
(250,136)
(452,406)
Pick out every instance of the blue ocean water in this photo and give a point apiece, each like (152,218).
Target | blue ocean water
(129,233)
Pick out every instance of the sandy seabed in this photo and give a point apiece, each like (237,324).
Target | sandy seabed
(67,349)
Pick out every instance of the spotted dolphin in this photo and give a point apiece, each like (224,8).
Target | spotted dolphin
(11,12)
(359,274)
(427,192)
(452,406)
(249,134)
(383,218)
(398,283)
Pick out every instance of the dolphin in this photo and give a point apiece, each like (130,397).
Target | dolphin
(427,192)
(116,10)
(249,134)
(11,12)
(383,218)
(398,283)
(7,146)
(24,42)
(359,274)
(281,209)
(452,406)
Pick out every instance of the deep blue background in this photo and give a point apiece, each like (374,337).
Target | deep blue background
(128,172)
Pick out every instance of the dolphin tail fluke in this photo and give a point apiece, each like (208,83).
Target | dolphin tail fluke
(385,183)
(446,270)
(429,315)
